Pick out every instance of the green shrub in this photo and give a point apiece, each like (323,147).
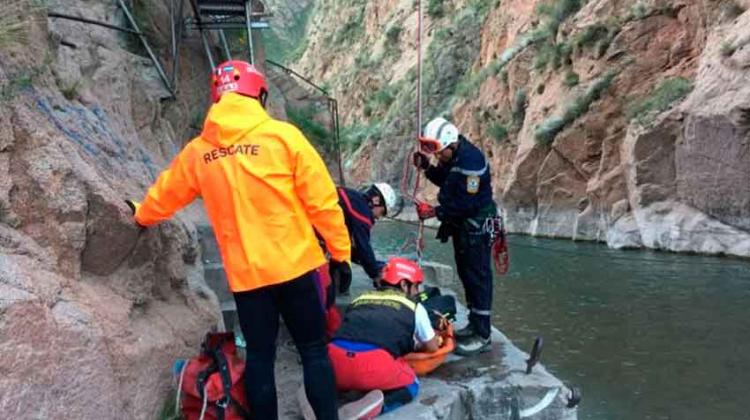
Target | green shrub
(546,132)
(379,101)
(519,107)
(353,135)
(393,34)
(727,48)
(15,18)
(303,118)
(561,55)
(497,131)
(435,9)
(733,9)
(558,11)
(352,29)
(661,98)
(9,90)
(590,35)
(543,55)
(71,92)
(638,11)
(571,79)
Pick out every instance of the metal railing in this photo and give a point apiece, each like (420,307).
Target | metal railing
(333,109)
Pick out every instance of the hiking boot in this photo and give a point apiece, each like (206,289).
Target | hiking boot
(473,345)
(304,405)
(365,408)
(464,332)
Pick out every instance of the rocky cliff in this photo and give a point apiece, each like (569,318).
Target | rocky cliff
(93,310)
(622,121)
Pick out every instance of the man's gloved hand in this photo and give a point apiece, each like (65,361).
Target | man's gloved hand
(421,161)
(133,205)
(341,275)
(425,211)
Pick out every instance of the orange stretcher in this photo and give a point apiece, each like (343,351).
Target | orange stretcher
(424,363)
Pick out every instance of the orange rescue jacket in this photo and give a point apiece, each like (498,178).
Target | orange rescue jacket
(264,187)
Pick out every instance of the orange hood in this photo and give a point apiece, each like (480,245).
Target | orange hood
(232,118)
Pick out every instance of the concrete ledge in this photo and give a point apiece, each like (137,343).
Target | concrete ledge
(493,385)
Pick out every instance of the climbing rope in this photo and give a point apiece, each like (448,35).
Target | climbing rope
(177,403)
(412,195)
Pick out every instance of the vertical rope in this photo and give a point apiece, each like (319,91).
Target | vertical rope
(412,195)
(420,232)
(179,387)
(205,404)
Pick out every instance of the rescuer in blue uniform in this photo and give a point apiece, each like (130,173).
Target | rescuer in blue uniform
(361,210)
(465,203)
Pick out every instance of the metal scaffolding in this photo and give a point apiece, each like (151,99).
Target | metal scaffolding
(207,16)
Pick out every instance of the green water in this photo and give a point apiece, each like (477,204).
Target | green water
(646,335)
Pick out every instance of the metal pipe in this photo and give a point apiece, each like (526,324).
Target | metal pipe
(176,61)
(335,118)
(208,49)
(227,25)
(155,60)
(206,46)
(248,10)
(306,80)
(91,21)
(172,31)
(224,43)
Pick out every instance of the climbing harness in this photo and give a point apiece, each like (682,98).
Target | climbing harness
(495,228)
(211,384)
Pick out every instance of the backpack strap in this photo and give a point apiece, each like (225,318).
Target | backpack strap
(226,381)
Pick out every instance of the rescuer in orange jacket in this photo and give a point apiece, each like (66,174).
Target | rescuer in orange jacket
(266,191)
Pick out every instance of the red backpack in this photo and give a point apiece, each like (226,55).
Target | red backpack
(212,384)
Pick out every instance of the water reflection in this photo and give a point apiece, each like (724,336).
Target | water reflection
(647,335)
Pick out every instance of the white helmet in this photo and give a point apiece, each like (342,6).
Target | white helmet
(438,134)
(390,198)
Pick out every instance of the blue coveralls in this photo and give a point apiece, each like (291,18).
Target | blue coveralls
(465,201)
(359,221)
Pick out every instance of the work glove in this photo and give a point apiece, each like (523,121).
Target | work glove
(425,211)
(133,205)
(421,161)
(341,275)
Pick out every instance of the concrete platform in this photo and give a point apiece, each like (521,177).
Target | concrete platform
(493,385)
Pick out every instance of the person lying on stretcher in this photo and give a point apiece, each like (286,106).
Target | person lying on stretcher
(378,330)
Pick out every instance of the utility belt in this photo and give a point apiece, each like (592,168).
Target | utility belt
(487,221)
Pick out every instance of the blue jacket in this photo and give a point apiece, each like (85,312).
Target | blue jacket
(465,183)
(359,221)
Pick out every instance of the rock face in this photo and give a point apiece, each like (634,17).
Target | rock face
(93,310)
(617,121)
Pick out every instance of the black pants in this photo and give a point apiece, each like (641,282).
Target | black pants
(298,303)
(473,258)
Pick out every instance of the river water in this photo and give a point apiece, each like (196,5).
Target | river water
(646,335)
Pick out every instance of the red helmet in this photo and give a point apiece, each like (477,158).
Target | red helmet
(238,76)
(398,269)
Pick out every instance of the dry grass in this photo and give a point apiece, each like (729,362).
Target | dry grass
(15,17)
